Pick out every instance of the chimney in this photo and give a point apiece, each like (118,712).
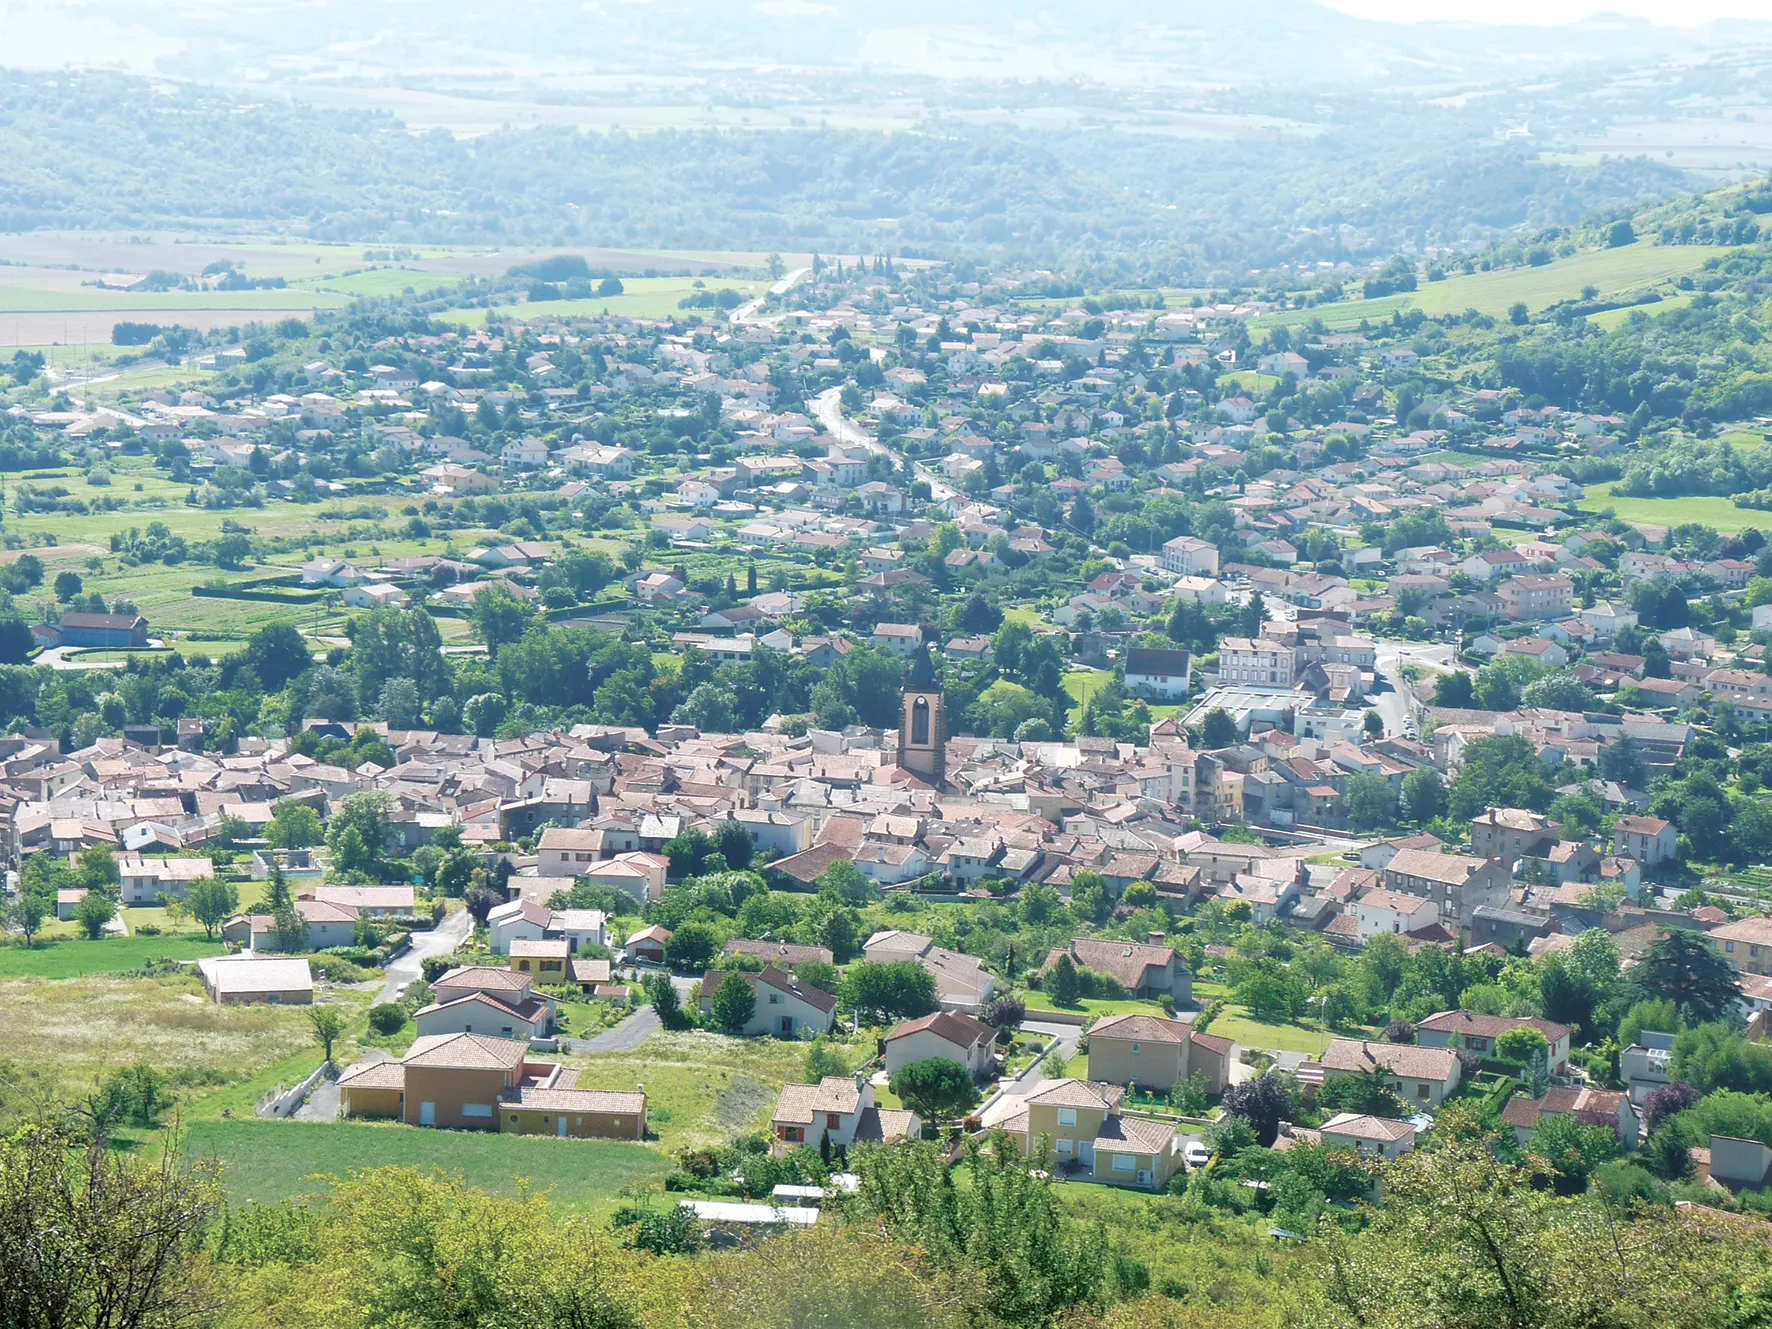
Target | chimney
(861,1082)
(1155,938)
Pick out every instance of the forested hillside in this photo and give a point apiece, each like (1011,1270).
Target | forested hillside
(105,151)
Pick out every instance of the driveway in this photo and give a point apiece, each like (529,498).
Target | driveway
(322,1104)
(625,1037)
(1007,1100)
(410,967)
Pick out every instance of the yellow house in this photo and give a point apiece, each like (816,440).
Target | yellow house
(1078,1122)
(545,958)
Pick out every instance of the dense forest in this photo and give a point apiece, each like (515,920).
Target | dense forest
(106,151)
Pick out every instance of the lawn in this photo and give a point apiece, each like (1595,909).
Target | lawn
(1718,513)
(1018,614)
(1236,1023)
(1083,684)
(1250,382)
(113,955)
(703,1089)
(273,1160)
(1040,1001)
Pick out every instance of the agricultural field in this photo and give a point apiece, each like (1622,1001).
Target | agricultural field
(49,298)
(1082,684)
(1613,271)
(1610,320)
(643,297)
(1249,382)
(270,1161)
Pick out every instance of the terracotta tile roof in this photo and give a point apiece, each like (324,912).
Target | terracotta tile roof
(960,1030)
(1133,1135)
(1078,1093)
(1403,1060)
(373,1075)
(540,948)
(612,1101)
(1142,1028)
(1360,1127)
(781,952)
(484,978)
(1125,961)
(591,971)
(886,1125)
(1213,1043)
(466,1052)
(1489,1026)
(1593,1107)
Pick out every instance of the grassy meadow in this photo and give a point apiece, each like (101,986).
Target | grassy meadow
(1715,512)
(703,1088)
(270,1161)
(1612,271)
(73,1033)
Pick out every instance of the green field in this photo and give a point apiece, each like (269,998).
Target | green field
(113,955)
(1293,1036)
(384,282)
(1249,381)
(1613,319)
(1611,271)
(273,1160)
(1718,513)
(642,297)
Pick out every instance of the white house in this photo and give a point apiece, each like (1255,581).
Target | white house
(375,595)
(785,1007)
(946,1034)
(1189,556)
(513,920)
(1389,911)
(1153,672)
(838,1109)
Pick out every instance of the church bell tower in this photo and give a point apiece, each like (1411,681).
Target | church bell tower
(922,724)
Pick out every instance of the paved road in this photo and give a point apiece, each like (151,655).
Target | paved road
(1392,704)
(409,968)
(828,410)
(625,1037)
(747,312)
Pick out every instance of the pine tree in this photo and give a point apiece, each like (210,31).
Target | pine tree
(277,897)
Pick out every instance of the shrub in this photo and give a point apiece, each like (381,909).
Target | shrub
(388,1018)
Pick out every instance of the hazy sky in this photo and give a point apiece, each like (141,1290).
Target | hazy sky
(1677,13)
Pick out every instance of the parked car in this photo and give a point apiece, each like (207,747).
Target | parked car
(1195,1154)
